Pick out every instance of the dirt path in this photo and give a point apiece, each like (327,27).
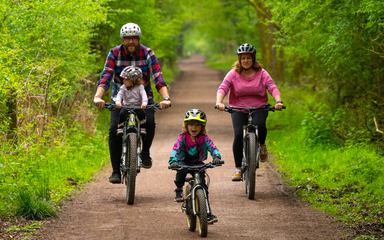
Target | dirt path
(100,212)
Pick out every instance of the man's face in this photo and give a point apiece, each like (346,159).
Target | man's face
(131,43)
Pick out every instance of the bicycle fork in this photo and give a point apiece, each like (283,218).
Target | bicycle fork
(246,130)
(192,197)
(197,186)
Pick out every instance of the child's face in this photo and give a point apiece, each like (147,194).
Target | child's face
(128,83)
(194,129)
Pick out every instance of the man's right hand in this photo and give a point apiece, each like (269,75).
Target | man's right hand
(99,102)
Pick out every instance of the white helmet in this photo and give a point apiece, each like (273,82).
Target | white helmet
(130,29)
(131,73)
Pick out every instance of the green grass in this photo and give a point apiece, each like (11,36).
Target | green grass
(34,204)
(345,180)
(39,172)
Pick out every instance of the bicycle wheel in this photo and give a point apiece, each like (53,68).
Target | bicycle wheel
(251,157)
(191,218)
(131,172)
(201,209)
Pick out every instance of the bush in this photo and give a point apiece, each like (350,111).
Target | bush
(321,128)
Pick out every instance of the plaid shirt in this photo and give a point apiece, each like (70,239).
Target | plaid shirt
(118,59)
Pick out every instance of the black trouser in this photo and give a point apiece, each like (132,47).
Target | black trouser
(239,119)
(115,141)
(181,174)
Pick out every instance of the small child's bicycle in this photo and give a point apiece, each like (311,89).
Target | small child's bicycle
(196,204)
(251,157)
(130,158)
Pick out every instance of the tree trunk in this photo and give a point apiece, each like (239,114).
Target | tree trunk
(11,106)
(269,58)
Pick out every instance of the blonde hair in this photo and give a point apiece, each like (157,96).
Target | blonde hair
(203,128)
(138,81)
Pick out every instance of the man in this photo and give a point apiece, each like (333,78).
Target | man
(131,53)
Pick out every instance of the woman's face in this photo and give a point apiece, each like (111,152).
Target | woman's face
(246,60)
(194,129)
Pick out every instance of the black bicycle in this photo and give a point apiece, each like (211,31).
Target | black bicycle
(196,205)
(131,148)
(250,162)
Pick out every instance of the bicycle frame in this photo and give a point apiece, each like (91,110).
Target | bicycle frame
(131,126)
(131,148)
(250,162)
(196,203)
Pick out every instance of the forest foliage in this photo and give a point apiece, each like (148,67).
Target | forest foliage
(52,52)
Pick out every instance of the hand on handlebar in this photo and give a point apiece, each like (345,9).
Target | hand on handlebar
(216,161)
(98,102)
(118,105)
(220,106)
(174,165)
(279,106)
(165,104)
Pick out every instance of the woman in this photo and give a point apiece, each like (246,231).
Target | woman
(247,84)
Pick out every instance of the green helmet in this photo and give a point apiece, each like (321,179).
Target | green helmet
(195,115)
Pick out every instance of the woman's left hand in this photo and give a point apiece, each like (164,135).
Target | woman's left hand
(279,106)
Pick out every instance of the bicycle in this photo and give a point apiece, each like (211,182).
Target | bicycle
(250,162)
(131,148)
(195,204)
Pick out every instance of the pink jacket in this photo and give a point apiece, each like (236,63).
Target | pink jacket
(248,92)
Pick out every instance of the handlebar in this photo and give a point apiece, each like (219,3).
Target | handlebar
(196,167)
(266,107)
(112,106)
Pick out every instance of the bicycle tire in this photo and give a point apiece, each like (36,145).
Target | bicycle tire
(252,161)
(246,168)
(191,218)
(201,209)
(131,172)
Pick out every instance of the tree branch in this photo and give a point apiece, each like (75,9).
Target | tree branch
(261,11)
(377,127)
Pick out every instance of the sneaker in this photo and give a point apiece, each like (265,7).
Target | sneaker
(115,178)
(146,161)
(236,175)
(263,153)
(143,131)
(212,219)
(179,195)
